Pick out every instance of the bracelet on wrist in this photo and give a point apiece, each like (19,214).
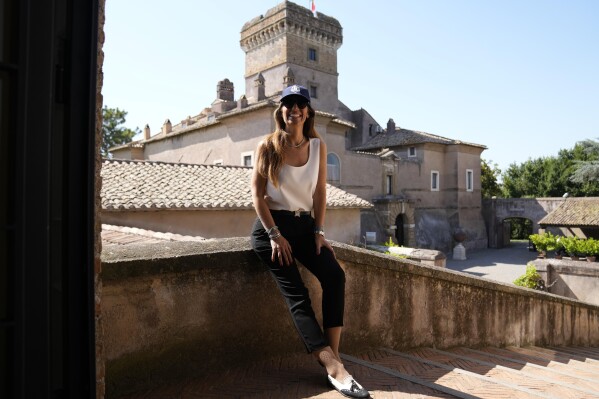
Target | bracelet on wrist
(319,230)
(275,235)
(269,231)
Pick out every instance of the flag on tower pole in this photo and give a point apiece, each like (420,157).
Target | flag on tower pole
(313,8)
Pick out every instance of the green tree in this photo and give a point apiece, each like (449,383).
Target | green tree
(520,228)
(555,176)
(524,180)
(113,131)
(587,169)
(489,173)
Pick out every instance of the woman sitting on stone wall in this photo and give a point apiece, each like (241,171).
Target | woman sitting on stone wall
(288,185)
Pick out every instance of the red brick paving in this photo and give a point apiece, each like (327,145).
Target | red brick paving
(512,373)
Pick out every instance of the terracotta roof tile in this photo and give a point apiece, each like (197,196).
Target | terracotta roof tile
(574,212)
(147,185)
(402,137)
(121,235)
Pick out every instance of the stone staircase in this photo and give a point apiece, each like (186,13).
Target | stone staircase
(527,372)
(493,373)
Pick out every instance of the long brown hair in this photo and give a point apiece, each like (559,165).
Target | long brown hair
(270,155)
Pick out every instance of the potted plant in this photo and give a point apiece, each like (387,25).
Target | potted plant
(590,248)
(559,247)
(531,279)
(571,246)
(540,243)
(546,242)
(551,242)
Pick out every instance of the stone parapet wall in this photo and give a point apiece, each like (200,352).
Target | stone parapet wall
(180,309)
(572,279)
(425,256)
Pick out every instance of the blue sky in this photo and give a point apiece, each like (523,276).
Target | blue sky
(519,76)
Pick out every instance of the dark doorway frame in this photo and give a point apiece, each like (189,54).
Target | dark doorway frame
(399,233)
(48,64)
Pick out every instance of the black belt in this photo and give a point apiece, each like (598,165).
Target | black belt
(291,213)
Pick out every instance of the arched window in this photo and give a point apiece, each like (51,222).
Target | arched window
(333,168)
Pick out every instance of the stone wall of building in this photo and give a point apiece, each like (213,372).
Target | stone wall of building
(342,224)
(224,141)
(496,210)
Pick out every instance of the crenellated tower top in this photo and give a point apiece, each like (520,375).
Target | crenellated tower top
(289,41)
(290,17)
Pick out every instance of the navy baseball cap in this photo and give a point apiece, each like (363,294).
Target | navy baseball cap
(296,90)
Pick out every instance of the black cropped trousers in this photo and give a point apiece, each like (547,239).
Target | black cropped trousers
(299,232)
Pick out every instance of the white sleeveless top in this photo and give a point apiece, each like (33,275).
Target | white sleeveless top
(296,183)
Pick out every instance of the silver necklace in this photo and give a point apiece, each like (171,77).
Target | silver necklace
(297,145)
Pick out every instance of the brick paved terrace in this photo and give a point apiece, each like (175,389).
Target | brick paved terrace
(529,372)
(205,320)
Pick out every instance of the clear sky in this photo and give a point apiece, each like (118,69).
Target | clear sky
(519,76)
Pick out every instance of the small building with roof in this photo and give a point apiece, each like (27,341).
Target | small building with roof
(208,201)
(575,217)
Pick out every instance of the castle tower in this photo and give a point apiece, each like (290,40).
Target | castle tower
(289,37)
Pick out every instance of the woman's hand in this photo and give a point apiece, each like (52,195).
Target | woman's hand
(322,242)
(281,250)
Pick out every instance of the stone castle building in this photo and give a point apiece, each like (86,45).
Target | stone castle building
(424,186)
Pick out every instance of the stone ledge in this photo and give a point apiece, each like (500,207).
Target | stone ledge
(181,308)
(146,259)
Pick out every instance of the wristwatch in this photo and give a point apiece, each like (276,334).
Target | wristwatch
(319,230)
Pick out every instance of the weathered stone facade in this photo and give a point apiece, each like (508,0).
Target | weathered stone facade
(497,210)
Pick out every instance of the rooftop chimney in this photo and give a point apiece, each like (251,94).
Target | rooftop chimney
(242,102)
(147,132)
(167,127)
(225,90)
(259,86)
(289,78)
(390,126)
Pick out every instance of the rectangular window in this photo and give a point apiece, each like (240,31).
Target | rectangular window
(313,92)
(469,180)
(389,185)
(434,180)
(312,54)
(247,158)
(412,152)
